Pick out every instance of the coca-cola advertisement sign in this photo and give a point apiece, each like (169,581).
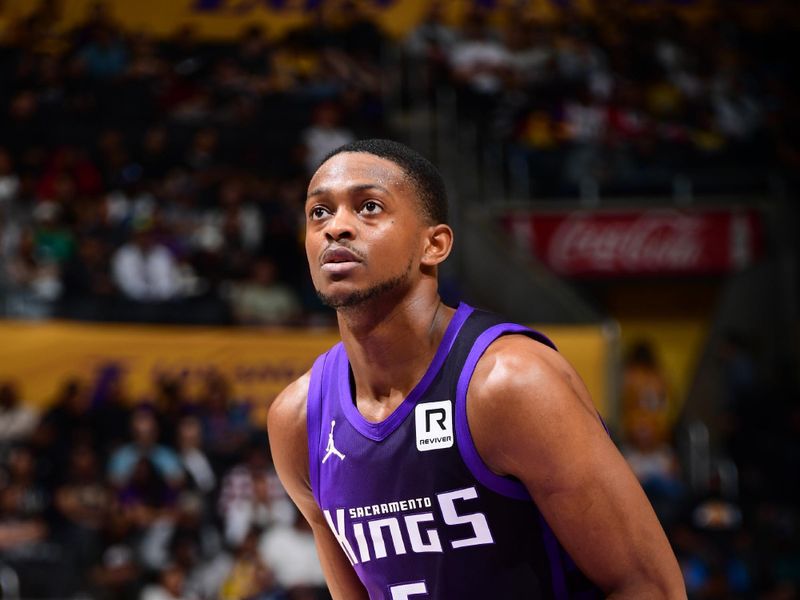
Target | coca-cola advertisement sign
(648,242)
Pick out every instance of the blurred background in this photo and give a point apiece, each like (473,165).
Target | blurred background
(622,175)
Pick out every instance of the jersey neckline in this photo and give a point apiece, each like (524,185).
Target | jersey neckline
(380,430)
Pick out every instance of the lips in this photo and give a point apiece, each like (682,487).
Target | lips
(339,261)
(338,255)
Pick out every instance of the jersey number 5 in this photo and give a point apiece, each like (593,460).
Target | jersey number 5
(404,591)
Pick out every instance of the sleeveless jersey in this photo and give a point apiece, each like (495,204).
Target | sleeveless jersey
(413,506)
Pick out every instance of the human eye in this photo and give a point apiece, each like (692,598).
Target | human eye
(317,212)
(371,207)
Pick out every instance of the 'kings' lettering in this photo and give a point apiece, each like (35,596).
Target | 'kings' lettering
(422,539)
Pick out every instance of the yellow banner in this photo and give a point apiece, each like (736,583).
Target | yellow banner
(39,357)
(258,364)
(226,19)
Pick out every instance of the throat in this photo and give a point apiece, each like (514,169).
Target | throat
(383,374)
(376,408)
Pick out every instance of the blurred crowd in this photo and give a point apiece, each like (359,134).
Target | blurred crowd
(730,508)
(170,497)
(164,180)
(632,104)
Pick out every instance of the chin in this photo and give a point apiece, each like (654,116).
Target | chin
(333,289)
(349,296)
(339,298)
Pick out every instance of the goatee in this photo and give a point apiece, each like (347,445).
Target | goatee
(359,297)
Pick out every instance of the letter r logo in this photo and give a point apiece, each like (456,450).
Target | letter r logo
(437,415)
(434,425)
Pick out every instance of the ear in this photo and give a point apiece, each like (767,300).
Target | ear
(437,244)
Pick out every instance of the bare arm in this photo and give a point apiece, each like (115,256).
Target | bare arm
(553,441)
(288,437)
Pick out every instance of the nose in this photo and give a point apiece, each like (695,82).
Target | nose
(340,226)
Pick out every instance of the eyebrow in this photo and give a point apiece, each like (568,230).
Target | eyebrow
(353,188)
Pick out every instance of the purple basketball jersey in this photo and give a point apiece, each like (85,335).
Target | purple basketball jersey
(413,506)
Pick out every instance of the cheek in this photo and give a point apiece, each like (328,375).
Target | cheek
(312,248)
(312,254)
(395,246)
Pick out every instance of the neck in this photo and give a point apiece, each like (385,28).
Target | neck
(390,343)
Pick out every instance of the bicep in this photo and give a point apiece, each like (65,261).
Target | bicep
(554,442)
(591,499)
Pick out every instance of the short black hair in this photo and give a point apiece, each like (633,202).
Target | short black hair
(423,174)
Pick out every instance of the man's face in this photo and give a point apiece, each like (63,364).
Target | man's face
(363,229)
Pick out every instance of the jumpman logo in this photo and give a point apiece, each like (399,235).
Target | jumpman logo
(331,449)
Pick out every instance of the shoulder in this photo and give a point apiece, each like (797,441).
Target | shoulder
(288,439)
(522,401)
(515,364)
(288,410)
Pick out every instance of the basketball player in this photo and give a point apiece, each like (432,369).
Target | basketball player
(442,453)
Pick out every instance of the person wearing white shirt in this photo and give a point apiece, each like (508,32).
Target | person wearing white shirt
(324,134)
(290,552)
(145,270)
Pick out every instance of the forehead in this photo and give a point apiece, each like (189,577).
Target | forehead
(350,169)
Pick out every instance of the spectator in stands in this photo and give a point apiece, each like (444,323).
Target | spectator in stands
(645,394)
(111,408)
(117,576)
(479,65)
(83,500)
(171,585)
(428,47)
(263,299)
(23,502)
(25,527)
(114,160)
(155,155)
(33,282)
(55,242)
(225,421)
(655,464)
(253,52)
(325,134)
(204,574)
(236,220)
(290,552)
(67,422)
(252,495)
(171,403)
(431,41)
(127,460)
(203,150)
(9,181)
(17,419)
(105,56)
(585,129)
(199,473)
(146,271)
(23,124)
(147,508)
(249,577)
(87,289)
(69,174)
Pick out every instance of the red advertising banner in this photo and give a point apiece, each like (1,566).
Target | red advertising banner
(639,242)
